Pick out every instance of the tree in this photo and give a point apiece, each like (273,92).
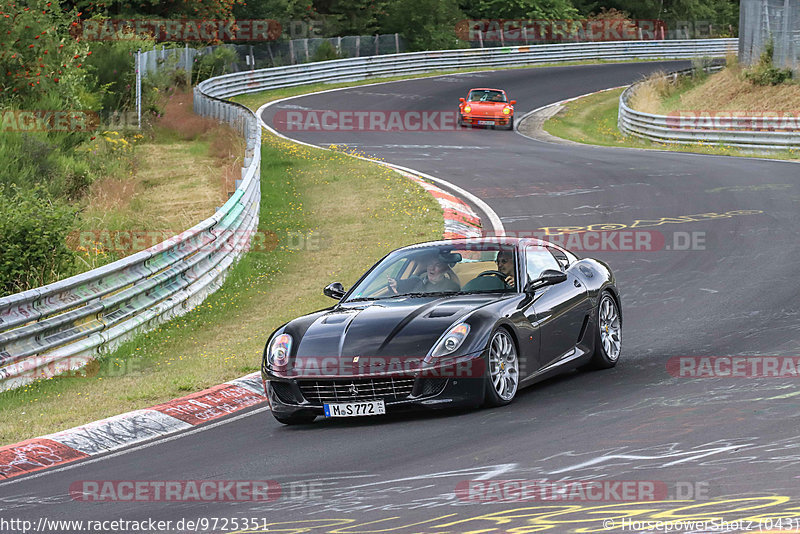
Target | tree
(164,9)
(519,9)
(353,17)
(425,25)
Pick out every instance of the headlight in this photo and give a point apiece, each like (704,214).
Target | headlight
(467,109)
(506,110)
(279,350)
(451,340)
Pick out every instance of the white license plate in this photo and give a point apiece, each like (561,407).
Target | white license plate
(355,409)
(485,123)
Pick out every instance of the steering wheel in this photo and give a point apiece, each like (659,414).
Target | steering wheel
(494,273)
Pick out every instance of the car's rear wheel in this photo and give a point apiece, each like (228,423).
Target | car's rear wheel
(502,376)
(608,338)
(295,418)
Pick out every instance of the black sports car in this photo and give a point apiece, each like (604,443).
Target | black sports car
(445,324)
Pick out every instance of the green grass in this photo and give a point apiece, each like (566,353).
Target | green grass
(593,120)
(356,211)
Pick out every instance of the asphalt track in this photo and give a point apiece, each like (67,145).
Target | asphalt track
(730,447)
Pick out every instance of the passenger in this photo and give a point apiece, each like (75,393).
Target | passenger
(438,277)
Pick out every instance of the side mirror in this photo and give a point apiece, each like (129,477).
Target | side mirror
(513,102)
(549,277)
(462,100)
(334,290)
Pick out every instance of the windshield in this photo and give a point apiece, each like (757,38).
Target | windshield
(486,95)
(445,269)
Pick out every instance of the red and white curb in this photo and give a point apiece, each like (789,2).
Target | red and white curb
(119,431)
(460,221)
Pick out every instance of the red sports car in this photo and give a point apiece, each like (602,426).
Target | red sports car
(486,107)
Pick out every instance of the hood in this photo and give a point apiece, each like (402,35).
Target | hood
(487,108)
(399,328)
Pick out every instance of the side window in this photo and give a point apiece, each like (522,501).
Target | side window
(395,270)
(537,260)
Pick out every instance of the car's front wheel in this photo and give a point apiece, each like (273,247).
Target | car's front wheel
(608,338)
(502,376)
(295,418)
(510,125)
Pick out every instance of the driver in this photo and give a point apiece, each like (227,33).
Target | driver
(505,264)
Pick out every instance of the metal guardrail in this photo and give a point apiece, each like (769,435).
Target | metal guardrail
(353,69)
(62,326)
(710,128)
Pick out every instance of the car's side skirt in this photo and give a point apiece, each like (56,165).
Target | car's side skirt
(577,358)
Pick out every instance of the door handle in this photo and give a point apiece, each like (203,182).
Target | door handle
(577,284)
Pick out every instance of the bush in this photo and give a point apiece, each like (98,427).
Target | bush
(33,240)
(47,161)
(39,59)
(213,64)
(699,66)
(325,52)
(765,72)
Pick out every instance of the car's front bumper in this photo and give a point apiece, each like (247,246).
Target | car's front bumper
(477,120)
(450,385)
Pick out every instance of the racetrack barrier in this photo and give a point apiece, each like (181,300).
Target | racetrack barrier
(769,131)
(354,69)
(62,326)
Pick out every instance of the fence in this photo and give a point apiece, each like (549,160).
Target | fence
(761,133)
(275,53)
(61,326)
(762,20)
(352,69)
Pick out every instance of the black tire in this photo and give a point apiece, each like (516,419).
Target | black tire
(608,345)
(501,342)
(295,418)
(510,125)
(461,122)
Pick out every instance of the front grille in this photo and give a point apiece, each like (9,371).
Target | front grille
(343,390)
